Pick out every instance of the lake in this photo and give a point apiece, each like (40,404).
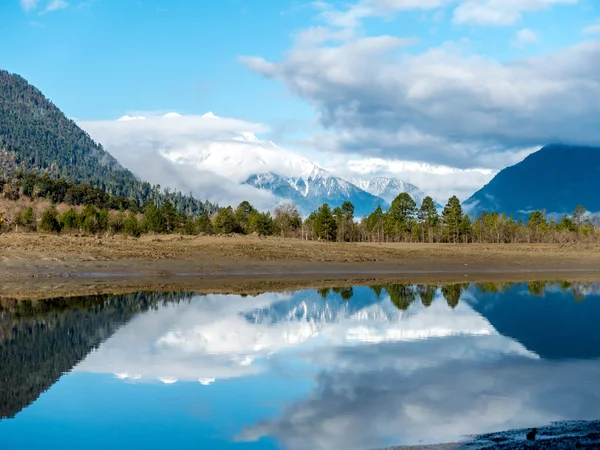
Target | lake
(347,368)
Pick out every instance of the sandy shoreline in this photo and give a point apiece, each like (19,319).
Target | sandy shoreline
(36,266)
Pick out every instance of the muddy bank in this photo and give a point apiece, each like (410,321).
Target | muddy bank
(34,266)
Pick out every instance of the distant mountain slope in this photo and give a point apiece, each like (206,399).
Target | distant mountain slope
(36,136)
(556,179)
(311,191)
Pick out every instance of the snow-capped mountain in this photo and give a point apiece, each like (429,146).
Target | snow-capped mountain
(389,188)
(244,159)
(310,191)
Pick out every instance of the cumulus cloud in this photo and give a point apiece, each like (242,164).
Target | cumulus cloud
(446,105)
(456,396)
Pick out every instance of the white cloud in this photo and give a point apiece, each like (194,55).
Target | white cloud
(217,337)
(480,12)
(525,36)
(351,17)
(440,182)
(451,399)
(212,156)
(592,29)
(445,106)
(500,12)
(189,153)
(29,5)
(55,5)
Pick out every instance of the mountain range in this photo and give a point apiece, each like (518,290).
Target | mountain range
(290,176)
(35,136)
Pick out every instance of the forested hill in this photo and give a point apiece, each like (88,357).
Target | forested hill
(35,136)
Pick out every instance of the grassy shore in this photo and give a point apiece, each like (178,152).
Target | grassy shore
(34,266)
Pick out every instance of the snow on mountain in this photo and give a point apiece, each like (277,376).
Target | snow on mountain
(310,191)
(389,188)
(244,159)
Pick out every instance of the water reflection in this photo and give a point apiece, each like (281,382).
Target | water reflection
(362,367)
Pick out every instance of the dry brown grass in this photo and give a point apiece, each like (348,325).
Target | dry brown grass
(35,265)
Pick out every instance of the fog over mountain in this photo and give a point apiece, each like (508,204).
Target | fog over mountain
(224,160)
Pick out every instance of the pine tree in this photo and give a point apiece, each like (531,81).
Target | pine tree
(325,225)
(225,222)
(204,224)
(452,216)
(428,217)
(398,217)
(49,221)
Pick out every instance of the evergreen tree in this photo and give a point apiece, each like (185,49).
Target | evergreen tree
(69,220)
(452,294)
(428,218)
(398,217)
(375,223)
(168,220)
(452,216)
(243,213)
(225,222)
(190,227)
(204,224)
(131,226)
(261,223)
(325,225)
(49,221)
(426,294)
(154,219)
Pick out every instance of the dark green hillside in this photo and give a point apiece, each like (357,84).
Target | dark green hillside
(36,137)
(554,179)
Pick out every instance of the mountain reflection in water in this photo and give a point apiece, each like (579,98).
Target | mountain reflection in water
(362,367)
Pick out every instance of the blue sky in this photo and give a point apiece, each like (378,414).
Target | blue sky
(463,84)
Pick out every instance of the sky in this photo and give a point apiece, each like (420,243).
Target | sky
(440,93)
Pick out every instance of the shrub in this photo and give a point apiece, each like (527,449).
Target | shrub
(69,220)
(131,226)
(50,221)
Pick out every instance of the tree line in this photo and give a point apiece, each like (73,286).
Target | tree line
(405,295)
(405,221)
(91,210)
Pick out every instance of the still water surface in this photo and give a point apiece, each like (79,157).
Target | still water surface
(353,368)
